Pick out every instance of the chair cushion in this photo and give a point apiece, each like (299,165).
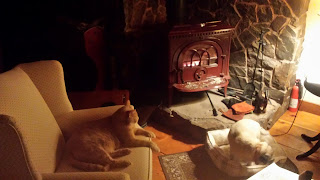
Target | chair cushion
(140,169)
(40,135)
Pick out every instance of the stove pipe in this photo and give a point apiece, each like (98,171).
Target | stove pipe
(177,12)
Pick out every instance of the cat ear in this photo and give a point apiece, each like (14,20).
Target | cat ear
(128,104)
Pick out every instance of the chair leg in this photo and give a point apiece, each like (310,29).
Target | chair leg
(310,139)
(311,151)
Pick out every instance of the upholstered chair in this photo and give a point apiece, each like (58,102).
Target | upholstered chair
(36,120)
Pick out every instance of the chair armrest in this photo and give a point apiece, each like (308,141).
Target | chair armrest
(68,122)
(14,160)
(86,176)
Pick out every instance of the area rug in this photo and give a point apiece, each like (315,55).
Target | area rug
(197,165)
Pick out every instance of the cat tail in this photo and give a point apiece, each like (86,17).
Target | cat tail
(89,166)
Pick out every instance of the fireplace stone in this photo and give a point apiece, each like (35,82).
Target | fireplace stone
(192,114)
(283,21)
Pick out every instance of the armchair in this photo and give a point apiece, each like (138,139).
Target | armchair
(37,118)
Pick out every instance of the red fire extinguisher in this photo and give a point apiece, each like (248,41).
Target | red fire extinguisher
(294,101)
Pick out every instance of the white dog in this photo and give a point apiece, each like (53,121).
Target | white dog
(246,145)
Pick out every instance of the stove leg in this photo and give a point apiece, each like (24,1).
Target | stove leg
(225,91)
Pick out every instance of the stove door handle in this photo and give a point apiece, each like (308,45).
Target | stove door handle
(194,53)
(205,51)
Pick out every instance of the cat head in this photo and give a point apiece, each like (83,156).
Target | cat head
(126,115)
(132,116)
(263,154)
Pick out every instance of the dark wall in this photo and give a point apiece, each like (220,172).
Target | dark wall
(41,30)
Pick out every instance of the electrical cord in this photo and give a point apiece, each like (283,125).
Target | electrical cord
(304,93)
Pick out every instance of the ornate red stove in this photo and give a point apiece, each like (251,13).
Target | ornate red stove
(199,57)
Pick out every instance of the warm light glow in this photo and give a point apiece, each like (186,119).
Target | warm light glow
(194,63)
(309,65)
(310,58)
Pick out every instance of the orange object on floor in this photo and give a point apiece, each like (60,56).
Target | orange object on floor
(242,108)
(229,114)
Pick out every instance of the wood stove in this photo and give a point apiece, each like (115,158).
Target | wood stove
(199,57)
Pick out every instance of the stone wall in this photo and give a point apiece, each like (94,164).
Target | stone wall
(284,22)
(140,13)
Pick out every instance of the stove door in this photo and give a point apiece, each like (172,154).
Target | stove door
(199,61)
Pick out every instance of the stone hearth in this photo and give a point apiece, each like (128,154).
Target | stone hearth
(193,115)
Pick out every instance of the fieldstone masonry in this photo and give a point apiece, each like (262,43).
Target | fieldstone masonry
(284,22)
(140,13)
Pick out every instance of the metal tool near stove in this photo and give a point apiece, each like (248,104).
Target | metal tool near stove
(261,97)
(258,98)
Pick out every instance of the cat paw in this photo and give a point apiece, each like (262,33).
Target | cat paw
(120,164)
(151,134)
(126,151)
(106,168)
(155,147)
(126,163)
(120,152)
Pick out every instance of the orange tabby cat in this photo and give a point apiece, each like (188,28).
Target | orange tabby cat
(94,146)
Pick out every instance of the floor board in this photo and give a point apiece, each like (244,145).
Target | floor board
(307,122)
(311,163)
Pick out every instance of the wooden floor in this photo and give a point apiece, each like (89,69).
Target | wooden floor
(307,122)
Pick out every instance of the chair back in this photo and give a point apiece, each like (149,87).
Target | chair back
(48,77)
(27,128)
